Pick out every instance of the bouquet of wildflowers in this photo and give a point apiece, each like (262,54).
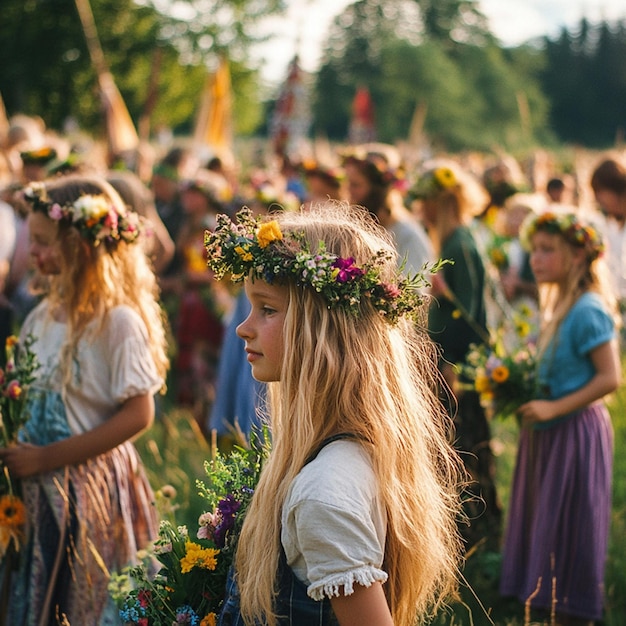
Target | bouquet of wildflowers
(498,251)
(190,582)
(503,375)
(15,379)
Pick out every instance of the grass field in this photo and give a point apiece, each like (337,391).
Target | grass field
(174,452)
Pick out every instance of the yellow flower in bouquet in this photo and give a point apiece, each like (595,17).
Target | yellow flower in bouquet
(504,379)
(15,379)
(12,519)
(190,585)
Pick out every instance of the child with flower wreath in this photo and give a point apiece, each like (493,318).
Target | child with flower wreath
(353,521)
(556,542)
(99,338)
(450,198)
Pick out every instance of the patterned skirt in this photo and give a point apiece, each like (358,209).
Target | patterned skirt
(558,520)
(84,523)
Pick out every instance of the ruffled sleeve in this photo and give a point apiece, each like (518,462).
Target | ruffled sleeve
(133,371)
(333,524)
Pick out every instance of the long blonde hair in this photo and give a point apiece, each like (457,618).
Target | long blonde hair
(555,303)
(376,380)
(96,278)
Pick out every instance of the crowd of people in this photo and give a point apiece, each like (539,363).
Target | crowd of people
(382,470)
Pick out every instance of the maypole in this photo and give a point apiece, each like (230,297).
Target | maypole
(289,125)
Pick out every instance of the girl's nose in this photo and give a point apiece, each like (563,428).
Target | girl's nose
(243,330)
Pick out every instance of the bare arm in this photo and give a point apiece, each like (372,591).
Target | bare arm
(605,359)
(135,415)
(367,606)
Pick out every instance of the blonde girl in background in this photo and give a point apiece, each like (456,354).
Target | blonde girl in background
(450,198)
(354,518)
(556,542)
(99,339)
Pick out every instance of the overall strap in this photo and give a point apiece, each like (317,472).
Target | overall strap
(328,440)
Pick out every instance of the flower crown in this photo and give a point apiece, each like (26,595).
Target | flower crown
(439,179)
(382,175)
(258,248)
(41,156)
(95,217)
(570,226)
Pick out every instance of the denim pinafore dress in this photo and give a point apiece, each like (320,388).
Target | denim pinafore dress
(293,605)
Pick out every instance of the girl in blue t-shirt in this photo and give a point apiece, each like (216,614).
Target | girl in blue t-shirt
(556,541)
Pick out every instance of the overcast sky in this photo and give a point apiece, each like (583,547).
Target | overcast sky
(512,21)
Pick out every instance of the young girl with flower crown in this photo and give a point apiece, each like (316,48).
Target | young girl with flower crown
(450,198)
(556,542)
(354,517)
(100,340)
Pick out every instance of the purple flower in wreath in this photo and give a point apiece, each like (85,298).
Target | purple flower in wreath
(347,270)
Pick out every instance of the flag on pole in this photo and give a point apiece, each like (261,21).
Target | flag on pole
(362,125)
(214,122)
(121,133)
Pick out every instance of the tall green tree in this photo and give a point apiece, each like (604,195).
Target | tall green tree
(474,94)
(454,21)
(585,80)
(353,57)
(45,68)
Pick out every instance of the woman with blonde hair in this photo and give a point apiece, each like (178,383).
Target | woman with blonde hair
(99,338)
(354,517)
(450,198)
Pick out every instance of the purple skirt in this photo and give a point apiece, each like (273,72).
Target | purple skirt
(556,540)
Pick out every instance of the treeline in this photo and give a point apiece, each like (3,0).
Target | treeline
(584,79)
(433,69)
(468,91)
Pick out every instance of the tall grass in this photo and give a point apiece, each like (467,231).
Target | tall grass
(174,451)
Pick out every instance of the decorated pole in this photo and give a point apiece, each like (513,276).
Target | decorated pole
(214,122)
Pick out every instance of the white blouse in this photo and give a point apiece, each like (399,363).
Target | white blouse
(110,366)
(333,522)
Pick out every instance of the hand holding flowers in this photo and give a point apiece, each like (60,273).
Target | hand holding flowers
(15,379)
(504,377)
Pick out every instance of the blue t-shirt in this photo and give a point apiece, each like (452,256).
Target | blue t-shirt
(566,364)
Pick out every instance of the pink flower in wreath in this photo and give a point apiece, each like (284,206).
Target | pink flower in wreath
(55,212)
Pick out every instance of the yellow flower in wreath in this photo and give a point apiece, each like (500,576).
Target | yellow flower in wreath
(444,177)
(245,255)
(268,232)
